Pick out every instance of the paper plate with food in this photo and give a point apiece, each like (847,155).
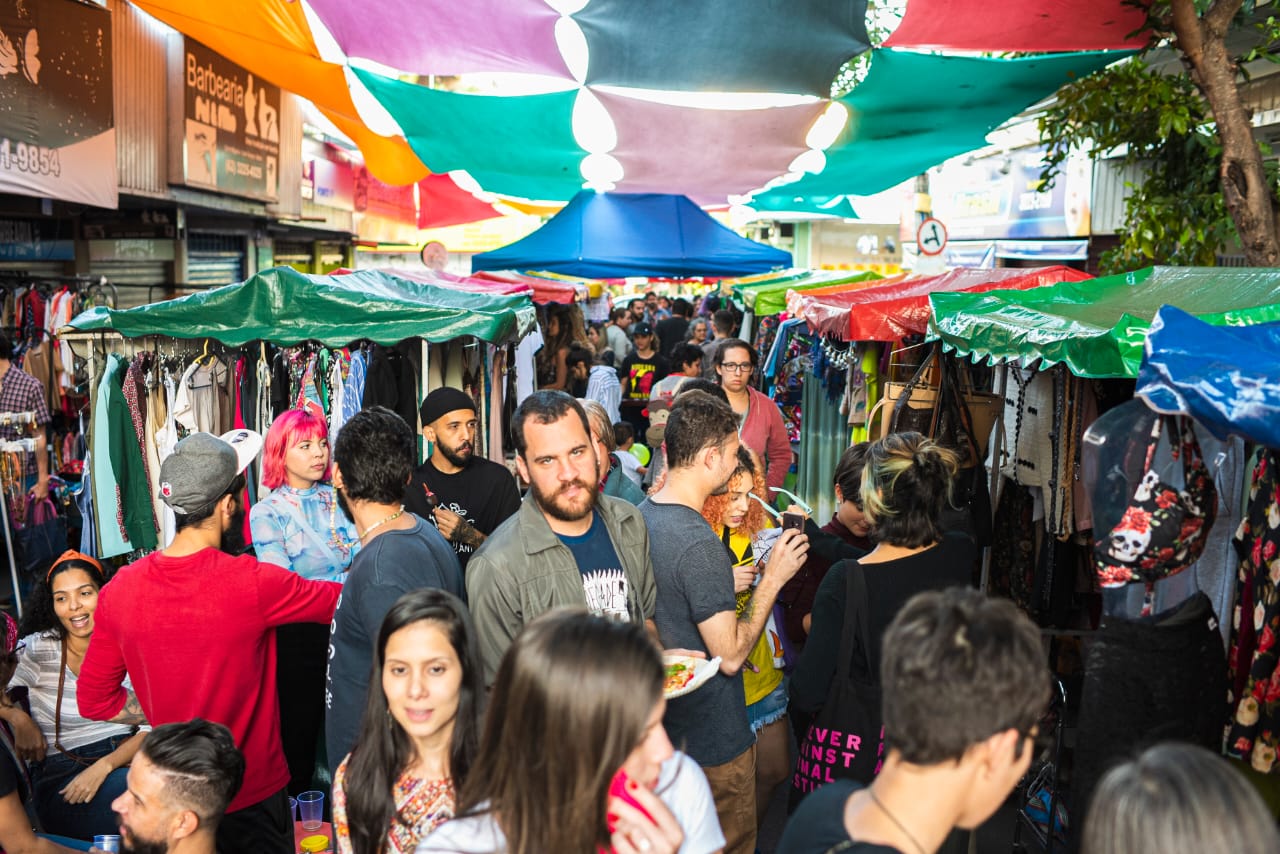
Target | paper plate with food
(686,673)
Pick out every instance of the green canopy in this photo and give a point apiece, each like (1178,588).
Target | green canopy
(914,110)
(765,297)
(285,307)
(1097,326)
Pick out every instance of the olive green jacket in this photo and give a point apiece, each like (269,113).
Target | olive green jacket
(523,570)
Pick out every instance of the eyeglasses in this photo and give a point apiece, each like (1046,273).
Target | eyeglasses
(737,367)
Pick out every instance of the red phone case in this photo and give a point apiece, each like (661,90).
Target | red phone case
(618,788)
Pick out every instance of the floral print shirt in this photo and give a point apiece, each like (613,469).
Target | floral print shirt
(423,806)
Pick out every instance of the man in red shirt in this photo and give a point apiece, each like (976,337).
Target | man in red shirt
(194,627)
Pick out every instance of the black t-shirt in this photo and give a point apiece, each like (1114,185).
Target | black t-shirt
(818,824)
(889,585)
(638,374)
(484,493)
(670,333)
(604,581)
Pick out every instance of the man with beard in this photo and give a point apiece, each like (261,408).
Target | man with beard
(697,608)
(194,627)
(180,783)
(567,544)
(465,495)
(399,552)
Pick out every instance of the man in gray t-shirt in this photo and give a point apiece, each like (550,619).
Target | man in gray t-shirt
(696,607)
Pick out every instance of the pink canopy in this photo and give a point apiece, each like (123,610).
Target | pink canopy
(890,312)
(544,290)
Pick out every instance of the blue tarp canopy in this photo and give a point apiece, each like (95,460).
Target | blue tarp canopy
(1226,377)
(613,235)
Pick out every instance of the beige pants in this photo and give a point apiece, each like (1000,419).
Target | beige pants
(733,785)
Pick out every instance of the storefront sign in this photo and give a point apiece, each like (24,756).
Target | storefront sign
(1002,196)
(57,138)
(25,240)
(131,224)
(229,136)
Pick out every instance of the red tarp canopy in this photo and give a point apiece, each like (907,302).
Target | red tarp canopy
(1019,25)
(890,312)
(544,290)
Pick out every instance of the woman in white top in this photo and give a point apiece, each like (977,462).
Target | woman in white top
(78,766)
(574,757)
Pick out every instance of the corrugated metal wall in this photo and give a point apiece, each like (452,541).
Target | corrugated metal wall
(142,124)
(1109,194)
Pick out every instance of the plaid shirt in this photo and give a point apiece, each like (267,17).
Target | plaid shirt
(21,392)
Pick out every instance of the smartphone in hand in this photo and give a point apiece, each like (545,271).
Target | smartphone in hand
(792,521)
(618,789)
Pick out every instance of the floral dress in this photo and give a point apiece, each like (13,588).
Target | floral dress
(1253,733)
(423,805)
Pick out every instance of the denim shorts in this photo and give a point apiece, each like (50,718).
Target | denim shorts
(770,708)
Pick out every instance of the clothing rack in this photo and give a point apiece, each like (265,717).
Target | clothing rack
(8,419)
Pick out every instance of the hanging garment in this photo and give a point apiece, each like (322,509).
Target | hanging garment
(157,414)
(1254,659)
(526,369)
(353,393)
(1149,680)
(1013,547)
(166,441)
(183,408)
(337,394)
(107,495)
(135,398)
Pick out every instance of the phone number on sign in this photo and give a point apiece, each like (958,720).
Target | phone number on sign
(29,158)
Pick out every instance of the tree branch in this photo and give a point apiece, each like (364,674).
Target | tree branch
(1219,16)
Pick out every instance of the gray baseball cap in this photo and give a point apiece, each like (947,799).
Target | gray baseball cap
(203,465)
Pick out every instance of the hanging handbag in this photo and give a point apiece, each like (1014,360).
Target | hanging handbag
(845,740)
(42,537)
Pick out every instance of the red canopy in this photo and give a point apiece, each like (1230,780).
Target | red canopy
(544,290)
(890,312)
(1019,25)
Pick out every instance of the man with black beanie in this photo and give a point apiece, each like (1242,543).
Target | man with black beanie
(463,494)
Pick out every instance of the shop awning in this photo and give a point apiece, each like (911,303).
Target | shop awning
(1097,327)
(286,307)
(891,311)
(1226,377)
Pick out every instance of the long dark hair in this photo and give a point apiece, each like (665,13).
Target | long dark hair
(570,702)
(39,615)
(384,749)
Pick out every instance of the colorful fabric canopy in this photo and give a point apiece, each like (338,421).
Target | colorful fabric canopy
(752,46)
(286,307)
(447,37)
(1226,377)
(1024,26)
(892,311)
(441,202)
(913,111)
(606,235)
(770,297)
(1097,327)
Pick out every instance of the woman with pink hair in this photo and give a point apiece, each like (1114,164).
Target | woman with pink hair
(299,526)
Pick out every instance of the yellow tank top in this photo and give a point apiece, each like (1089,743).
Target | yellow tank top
(760,682)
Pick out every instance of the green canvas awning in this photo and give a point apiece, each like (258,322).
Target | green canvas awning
(285,307)
(768,296)
(1097,326)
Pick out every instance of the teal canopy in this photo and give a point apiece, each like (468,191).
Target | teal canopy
(286,307)
(1097,327)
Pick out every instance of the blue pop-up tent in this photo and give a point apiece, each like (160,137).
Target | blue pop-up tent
(612,235)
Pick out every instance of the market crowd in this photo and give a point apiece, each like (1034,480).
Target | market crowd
(465,670)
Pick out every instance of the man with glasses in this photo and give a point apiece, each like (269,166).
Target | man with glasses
(964,681)
(762,429)
(194,628)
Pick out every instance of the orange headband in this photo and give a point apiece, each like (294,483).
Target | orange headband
(72,554)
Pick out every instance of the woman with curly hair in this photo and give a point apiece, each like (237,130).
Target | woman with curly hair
(78,766)
(744,528)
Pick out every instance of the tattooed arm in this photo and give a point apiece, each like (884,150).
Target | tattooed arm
(131,714)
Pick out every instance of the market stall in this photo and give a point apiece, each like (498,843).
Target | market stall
(238,355)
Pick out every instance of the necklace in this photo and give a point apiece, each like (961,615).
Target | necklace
(376,525)
(336,539)
(894,819)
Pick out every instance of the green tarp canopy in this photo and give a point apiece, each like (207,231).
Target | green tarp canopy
(768,296)
(1097,326)
(286,307)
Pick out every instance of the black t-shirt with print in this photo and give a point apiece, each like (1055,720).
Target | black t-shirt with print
(638,374)
(484,493)
(604,581)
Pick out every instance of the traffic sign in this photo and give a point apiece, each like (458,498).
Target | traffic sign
(931,237)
